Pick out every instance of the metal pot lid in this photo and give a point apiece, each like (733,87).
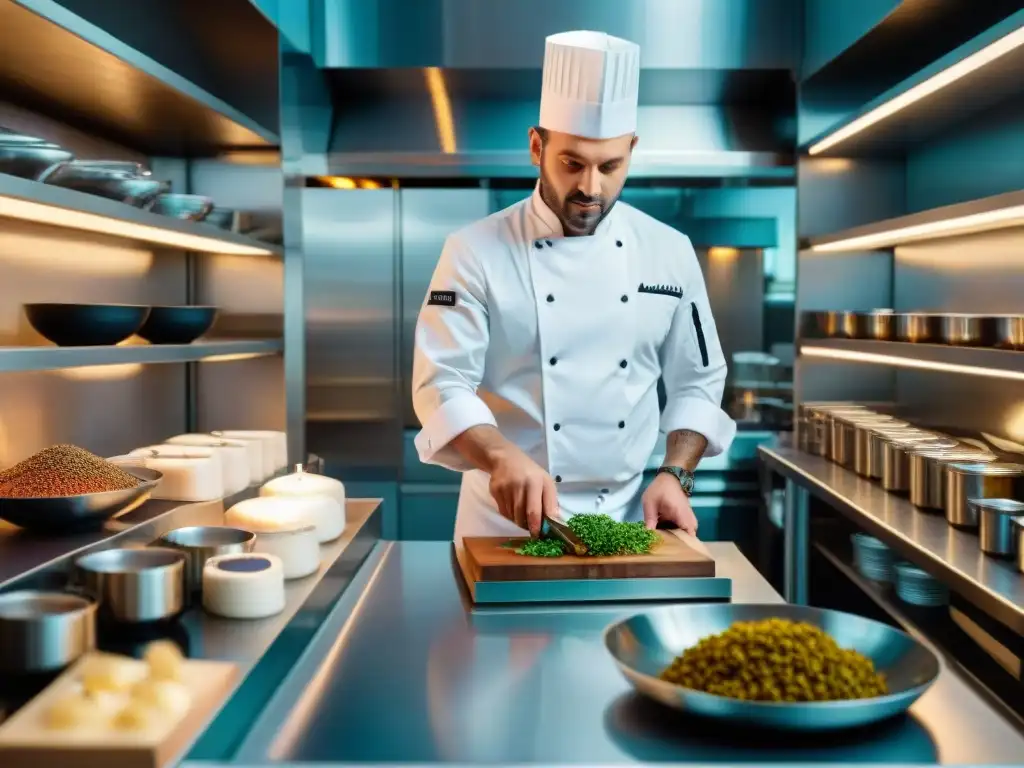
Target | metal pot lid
(980,468)
(999,506)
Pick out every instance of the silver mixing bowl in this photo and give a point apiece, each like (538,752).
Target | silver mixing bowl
(645,644)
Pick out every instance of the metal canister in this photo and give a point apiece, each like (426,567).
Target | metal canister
(863,429)
(928,472)
(918,327)
(879,435)
(42,632)
(1010,331)
(878,325)
(896,459)
(997,525)
(967,481)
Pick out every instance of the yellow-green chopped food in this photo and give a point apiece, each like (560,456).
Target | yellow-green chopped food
(776,660)
(602,536)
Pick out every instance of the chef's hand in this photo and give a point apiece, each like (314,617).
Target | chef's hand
(665,500)
(523,491)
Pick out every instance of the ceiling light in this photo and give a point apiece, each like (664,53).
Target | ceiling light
(28,210)
(958,225)
(936,82)
(909,362)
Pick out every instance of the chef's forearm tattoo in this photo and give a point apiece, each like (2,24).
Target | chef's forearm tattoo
(685,448)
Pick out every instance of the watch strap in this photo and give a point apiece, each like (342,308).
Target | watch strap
(684,476)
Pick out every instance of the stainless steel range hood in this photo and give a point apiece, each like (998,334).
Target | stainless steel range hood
(460,122)
(449,88)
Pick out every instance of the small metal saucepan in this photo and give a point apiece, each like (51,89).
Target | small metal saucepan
(918,327)
(968,330)
(44,632)
(1009,331)
(134,585)
(928,472)
(896,457)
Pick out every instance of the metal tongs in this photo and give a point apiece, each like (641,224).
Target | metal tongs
(551,527)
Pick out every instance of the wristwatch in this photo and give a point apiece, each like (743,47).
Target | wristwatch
(684,476)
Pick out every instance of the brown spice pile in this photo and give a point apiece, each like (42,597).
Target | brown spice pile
(63,470)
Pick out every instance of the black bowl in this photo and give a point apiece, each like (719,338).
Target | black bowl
(86,325)
(177,325)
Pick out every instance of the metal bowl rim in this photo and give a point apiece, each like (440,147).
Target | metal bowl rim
(769,705)
(85,604)
(179,559)
(1002,506)
(170,543)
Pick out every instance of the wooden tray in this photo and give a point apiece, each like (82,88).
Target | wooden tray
(490,559)
(26,741)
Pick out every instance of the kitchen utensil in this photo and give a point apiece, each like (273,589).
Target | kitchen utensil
(822,324)
(643,645)
(963,330)
(495,559)
(134,585)
(201,542)
(928,472)
(29,159)
(896,457)
(878,325)
(86,325)
(863,430)
(997,525)
(917,587)
(43,632)
(872,558)
(877,436)
(841,445)
(1009,331)
(179,206)
(974,480)
(128,183)
(918,327)
(176,325)
(562,532)
(56,515)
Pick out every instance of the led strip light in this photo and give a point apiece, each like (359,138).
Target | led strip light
(922,90)
(28,210)
(958,225)
(909,362)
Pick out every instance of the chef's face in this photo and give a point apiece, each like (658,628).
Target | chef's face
(580,179)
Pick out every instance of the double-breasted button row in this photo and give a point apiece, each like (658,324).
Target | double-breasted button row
(539,245)
(558,427)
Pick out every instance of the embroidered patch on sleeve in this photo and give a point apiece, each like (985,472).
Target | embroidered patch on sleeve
(441,298)
(663,290)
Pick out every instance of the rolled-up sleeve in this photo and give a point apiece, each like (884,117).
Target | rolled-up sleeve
(693,366)
(448,359)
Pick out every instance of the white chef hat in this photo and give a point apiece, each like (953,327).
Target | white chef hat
(591,82)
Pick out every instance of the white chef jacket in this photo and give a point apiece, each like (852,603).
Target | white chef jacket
(559,342)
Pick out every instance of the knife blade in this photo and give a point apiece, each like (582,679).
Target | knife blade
(551,527)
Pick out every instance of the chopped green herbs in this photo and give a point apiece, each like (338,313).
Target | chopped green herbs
(601,535)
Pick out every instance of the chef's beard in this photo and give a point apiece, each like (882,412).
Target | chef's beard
(575,223)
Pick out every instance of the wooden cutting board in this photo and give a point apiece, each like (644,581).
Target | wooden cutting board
(490,559)
(26,741)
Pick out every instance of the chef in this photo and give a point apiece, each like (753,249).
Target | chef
(547,326)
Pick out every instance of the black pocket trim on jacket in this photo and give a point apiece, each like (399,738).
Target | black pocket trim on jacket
(662,290)
(701,342)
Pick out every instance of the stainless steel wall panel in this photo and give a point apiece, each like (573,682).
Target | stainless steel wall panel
(349,277)
(981,158)
(241,394)
(698,34)
(832,26)
(428,217)
(735,285)
(838,193)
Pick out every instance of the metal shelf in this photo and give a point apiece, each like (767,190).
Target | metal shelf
(111,87)
(14,359)
(29,200)
(984,215)
(924,539)
(936,110)
(976,361)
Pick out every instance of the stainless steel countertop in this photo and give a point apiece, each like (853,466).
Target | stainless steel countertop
(921,537)
(403,671)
